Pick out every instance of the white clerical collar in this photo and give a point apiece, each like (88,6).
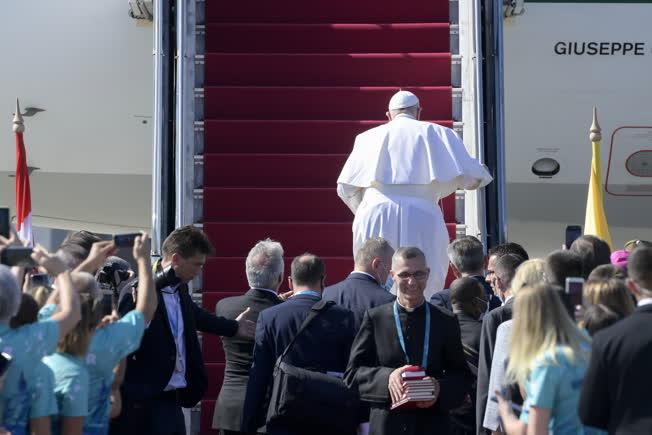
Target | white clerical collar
(404,115)
(265,290)
(365,273)
(644,301)
(409,310)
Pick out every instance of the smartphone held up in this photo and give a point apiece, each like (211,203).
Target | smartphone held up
(125,240)
(17,256)
(575,290)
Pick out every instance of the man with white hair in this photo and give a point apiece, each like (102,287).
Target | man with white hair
(264,267)
(395,176)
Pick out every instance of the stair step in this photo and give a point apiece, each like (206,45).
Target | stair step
(224,204)
(326,239)
(207,408)
(280,136)
(339,103)
(327,11)
(227,275)
(272,170)
(387,69)
(274,205)
(328,38)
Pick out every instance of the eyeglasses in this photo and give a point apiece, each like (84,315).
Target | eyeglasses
(418,275)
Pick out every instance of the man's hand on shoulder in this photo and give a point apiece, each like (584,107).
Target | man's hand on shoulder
(246,325)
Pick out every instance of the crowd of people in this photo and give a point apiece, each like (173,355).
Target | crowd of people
(99,346)
(507,347)
(93,346)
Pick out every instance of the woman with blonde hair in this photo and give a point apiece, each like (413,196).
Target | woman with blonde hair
(547,359)
(612,293)
(529,273)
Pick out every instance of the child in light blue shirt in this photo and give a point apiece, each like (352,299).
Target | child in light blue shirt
(115,341)
(109,345)
(27,344)
(39,377)
(71,388)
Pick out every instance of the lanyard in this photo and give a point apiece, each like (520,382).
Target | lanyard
(426,336)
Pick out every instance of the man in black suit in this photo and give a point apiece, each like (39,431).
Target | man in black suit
(616,389)
(365,287)
(264,267)
(466,256)
(469,302)
(503,269)
(559,265)
(379,356)
(324,346)
(167,371)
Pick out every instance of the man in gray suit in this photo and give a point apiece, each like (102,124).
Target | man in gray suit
(264,267)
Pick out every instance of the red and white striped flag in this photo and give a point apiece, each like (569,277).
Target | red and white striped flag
(23,194)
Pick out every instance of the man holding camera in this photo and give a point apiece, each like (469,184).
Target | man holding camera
(167,372)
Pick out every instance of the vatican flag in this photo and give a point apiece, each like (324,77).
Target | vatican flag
(595,221)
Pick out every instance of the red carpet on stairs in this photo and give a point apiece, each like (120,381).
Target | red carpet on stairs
(288,86)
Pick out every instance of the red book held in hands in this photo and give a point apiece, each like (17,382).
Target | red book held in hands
(416,388)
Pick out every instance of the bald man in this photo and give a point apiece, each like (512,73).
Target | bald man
(395,176)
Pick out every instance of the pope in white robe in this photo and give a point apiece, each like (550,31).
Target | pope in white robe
(395,176)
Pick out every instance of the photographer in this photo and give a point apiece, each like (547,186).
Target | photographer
(167,371)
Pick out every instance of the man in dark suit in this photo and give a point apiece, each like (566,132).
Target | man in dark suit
(466,256)
(365,287)
(616,388)
(167,371)
(324,346)
(469,302)
(559,265)
(379,356)
(264,267)
(503,269)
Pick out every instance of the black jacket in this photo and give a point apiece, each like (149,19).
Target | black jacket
(324,346)
(239,357)
(376,352)
(442,298)
(616,389)
(358,293)
(150,368)
(490,324)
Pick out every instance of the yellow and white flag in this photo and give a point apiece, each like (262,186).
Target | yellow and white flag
(595,221)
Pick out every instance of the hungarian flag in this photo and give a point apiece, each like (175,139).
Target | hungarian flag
(23,195)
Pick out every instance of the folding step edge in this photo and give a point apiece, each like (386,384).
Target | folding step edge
(454,32)
(458,126)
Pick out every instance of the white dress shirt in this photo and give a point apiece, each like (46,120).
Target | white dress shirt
(173,308)
(644,301)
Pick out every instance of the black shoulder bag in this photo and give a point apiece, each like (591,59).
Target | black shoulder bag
(305,397)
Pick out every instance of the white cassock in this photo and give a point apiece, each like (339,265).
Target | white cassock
(393,180)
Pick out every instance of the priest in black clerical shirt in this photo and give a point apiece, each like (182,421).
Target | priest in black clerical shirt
(381,352)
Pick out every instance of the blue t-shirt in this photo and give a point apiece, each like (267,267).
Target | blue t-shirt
(71,387)
(109,345)
(555,383)
(26,345)
(41,383)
